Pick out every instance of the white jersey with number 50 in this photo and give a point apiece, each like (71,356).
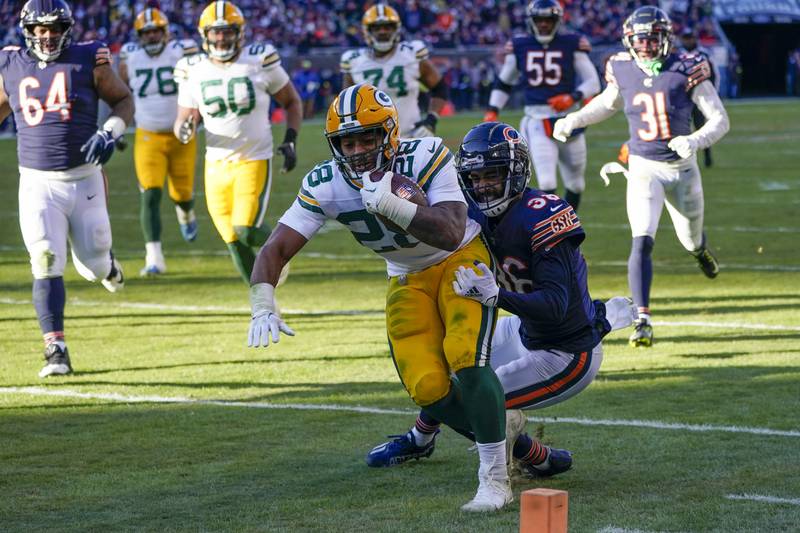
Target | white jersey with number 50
(233,99)
(155,92)
(397,75)
(325,193)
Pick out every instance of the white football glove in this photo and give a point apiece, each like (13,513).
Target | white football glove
(621,312)
(375,193)
(612,167)
(563,128)
(480,287)
(186,130)
(684,146)
(265,322)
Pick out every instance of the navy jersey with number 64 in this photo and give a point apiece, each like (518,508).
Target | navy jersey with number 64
(658,108)
(542,273)
(54,103)
(547,69)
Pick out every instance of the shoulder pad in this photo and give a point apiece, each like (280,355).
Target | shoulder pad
(347,57)
(11,48)
(419,48)
(127,48)
(431,156)
(609,70)
(264,53)
(553,221)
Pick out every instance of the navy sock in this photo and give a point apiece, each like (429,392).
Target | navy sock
(640,270)
(573,199)
(528,450)
(49,297)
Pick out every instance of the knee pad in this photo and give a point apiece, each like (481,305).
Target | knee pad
(429,388)
(45,263)
(642,246)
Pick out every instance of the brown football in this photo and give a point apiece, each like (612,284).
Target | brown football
(405,188)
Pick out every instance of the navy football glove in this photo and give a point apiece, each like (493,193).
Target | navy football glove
(99,147)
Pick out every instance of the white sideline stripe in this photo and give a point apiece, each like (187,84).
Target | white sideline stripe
(615,529)
(763,498)
(649,424)
(358,312)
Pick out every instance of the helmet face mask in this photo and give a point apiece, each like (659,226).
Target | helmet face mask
(493,166)
(153,40)
(543,18)
(47,27)
(647,35)
(222,27)
(362,130)
(381,28)
(152,28)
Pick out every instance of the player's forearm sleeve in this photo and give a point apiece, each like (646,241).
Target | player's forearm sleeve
(707,100)
(550,300)
(589,84)
(498,98)
(600,108)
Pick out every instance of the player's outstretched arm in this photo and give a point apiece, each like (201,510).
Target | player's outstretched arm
(599,109)
(5,106)
(266,322)
(114,92)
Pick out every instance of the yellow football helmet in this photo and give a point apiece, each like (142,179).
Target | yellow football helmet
(378,16)
(363,109)
(222,16)
(152,19)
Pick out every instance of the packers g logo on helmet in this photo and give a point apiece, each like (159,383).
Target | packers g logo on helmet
(380,15)
(361,109)
(152,19)
(222,16)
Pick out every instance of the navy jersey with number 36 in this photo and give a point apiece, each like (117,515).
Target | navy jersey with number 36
(536,228)
(54,103)
(658,108)
(547,69)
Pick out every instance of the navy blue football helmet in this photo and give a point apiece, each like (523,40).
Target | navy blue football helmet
(647,34)
(46,13)
(543,9)
(493,166)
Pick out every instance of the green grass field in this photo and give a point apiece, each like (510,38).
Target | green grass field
(171,423)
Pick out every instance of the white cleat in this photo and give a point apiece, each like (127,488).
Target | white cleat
(493,494)
(151,271)
(515,425)
(115,281)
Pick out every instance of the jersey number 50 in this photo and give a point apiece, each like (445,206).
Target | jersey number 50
(543,66)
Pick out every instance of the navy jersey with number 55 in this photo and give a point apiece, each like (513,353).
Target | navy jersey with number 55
(542,273)
(54,103)
(547,69)
(658,108)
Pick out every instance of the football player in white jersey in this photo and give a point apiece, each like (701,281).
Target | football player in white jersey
(147,67)
(230,88)
(397,68)
(433,333)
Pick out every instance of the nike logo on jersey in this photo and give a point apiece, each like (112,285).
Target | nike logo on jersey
(433,148)
(91,196)
(555,208)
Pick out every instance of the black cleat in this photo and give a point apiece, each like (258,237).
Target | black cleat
(707,262)
(57,361)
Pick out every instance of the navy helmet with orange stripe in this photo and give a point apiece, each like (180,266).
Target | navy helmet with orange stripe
(54,15)
(493,166)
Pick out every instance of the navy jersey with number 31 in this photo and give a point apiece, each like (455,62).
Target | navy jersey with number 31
(54,103)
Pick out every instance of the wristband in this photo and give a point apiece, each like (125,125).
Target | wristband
(398,210)
(262,298)
(116,126)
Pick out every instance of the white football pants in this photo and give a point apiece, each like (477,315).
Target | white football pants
(548,153)
(52,212)
(652,184)
(533,379)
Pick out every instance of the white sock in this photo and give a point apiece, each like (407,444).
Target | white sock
(644,317)
(420,438)
(493,460)
(153,254)
(184,217)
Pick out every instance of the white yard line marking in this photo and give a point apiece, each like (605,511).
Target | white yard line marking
(648,424)
(615,529)
(357,312)
(763,498)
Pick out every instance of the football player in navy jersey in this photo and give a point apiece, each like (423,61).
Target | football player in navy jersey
(657,88)
(52,86)
(689,45)
(550,349)
(556,73)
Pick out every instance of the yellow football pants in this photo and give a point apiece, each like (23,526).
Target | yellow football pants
(433,331)
(237,194)
(157,155)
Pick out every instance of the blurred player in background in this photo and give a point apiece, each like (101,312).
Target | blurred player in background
(230,88)
(439,341)
(689,45)
(657,89)
(53,88)
(147,67)
(550,348)
(397,68)
(556,73)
